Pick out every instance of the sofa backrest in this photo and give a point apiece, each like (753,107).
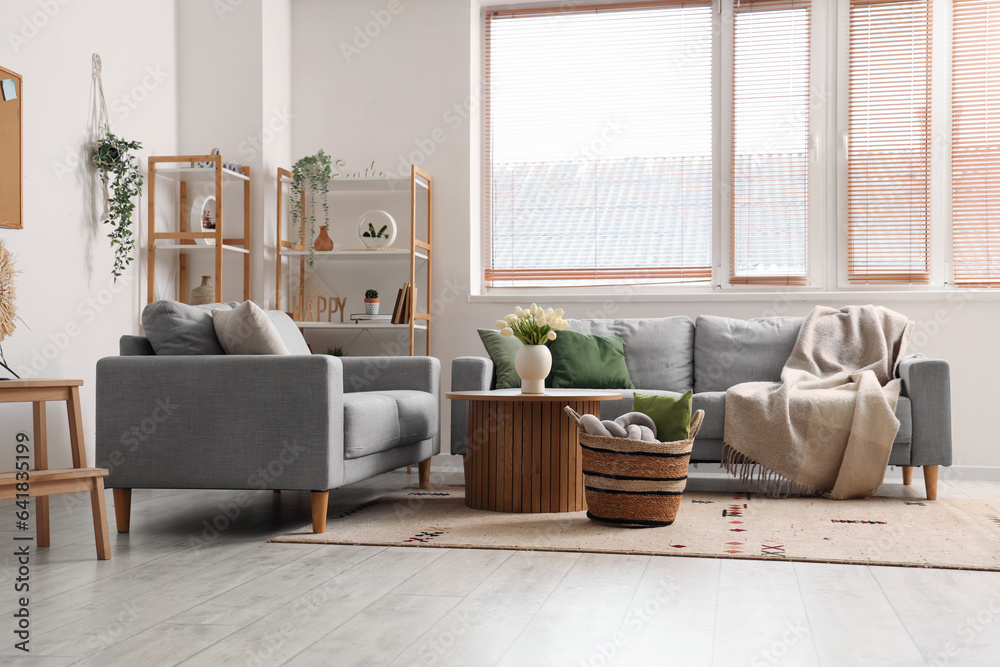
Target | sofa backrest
(658,350)
(729,351)
(174,328)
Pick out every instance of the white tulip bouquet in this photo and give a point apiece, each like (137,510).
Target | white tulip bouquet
(533,326)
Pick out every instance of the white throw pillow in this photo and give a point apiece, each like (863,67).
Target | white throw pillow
(247,329)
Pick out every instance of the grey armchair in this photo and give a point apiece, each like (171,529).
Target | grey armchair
(306,422)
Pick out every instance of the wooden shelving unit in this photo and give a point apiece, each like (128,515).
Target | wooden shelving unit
(418,253)
(182,170)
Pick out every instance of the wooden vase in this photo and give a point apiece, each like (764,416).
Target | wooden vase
(323,242)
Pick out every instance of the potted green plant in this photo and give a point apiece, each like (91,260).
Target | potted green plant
(336,351)
(119,170)
(310,182)
(371,302)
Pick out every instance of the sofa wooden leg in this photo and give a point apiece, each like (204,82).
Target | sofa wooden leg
(930,481)
(123,508)
(425,474)
(320,500)
(907,475)
(277,490)
(409,470)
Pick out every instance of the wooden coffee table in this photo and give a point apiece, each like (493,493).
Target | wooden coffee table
(523,451)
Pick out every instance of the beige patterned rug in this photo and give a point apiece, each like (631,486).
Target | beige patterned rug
(945,533)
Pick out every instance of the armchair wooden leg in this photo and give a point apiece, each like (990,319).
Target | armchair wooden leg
(123,508)
(100,512)
(907,475)
(930,481)
(320,500)
(425,474)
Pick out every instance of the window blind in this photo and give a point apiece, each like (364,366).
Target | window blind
(889,141)
(976,143)
(769,232)
(598,145)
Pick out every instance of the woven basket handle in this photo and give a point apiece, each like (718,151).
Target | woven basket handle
(572,414)
(696,421)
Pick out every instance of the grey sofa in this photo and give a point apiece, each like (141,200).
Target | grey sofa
(300,422)
(671,355)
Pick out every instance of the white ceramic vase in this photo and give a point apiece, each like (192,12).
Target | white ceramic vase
(533,363)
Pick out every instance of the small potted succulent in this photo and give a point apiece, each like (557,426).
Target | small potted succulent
(371,302)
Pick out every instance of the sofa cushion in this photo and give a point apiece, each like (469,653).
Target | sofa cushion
(586,360)
(671,414)
(247,329)
(289,332)
(658,351)
(502,350)
(175,328)
(714,405)
(376,421)
(728,351)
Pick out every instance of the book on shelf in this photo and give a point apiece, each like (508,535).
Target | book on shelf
(397,308)
(365,317)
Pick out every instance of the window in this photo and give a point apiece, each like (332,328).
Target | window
(770,165)
(976,143)
(743,144)
(599,145)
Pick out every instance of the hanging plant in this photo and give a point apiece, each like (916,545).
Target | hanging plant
(310,175)
(119,170)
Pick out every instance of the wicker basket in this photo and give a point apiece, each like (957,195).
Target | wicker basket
(631,483)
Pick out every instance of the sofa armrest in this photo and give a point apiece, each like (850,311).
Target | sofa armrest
(467,374)
(927,383)
(221,422)
(129,346)
(388,373)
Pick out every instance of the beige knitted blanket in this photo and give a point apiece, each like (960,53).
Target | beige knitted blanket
(828,427)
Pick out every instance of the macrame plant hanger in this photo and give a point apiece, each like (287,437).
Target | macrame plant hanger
(101,123)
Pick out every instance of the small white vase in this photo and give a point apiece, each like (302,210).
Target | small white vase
(533,363)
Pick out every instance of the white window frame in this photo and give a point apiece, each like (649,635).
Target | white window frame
(827,272)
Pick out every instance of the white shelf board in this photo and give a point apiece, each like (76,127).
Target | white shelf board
(398,253)
(359,325)
(368,184)
(200,248)
(191,174)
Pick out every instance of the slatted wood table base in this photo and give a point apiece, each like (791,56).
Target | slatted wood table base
(524,456)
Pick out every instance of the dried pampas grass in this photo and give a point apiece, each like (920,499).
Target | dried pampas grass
(7,291)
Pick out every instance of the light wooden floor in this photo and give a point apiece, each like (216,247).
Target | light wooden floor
(180,591)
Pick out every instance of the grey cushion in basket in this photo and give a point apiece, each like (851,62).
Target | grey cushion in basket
(247,329)
(728,352)
(657,349)
(175,328)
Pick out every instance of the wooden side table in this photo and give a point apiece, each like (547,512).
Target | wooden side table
(44,482)
(523,451)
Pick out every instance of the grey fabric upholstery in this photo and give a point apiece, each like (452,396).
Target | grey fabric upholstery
(728,351)
(134,346)
(175,328)
(467,374)
(927,383)
(375,421)
(751,351)
(657,350)
(220,422)
(289,333)
(257,422)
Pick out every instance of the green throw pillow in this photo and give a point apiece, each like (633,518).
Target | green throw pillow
(582,361)
(502,350)
(671,414)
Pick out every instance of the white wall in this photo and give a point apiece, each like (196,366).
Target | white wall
(383,96)
(72,310)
